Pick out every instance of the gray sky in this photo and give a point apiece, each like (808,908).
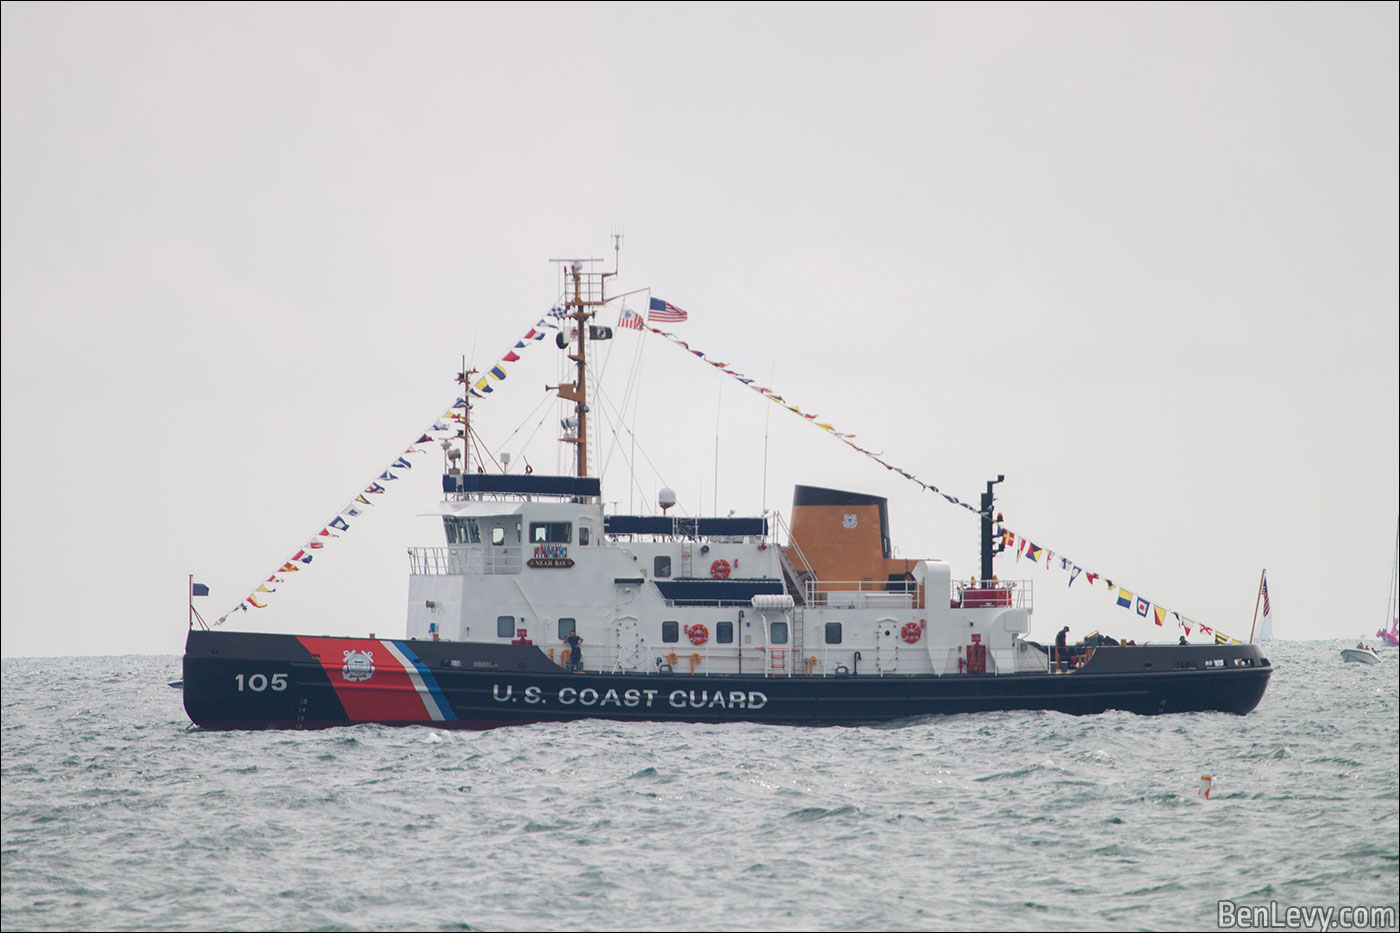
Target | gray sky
(1142,260)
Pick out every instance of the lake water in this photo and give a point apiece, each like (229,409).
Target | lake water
(117,814)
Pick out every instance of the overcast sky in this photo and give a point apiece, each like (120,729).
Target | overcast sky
(1140,259)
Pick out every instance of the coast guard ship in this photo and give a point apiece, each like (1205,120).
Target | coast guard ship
(541,605)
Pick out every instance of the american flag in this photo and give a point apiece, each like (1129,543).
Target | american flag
(1264,591)
(665,312)
(630,320)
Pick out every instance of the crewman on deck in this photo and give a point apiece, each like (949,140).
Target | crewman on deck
(575,652)
(1061,650)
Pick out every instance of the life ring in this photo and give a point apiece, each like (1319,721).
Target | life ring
(698,633)
(720,569)
(911,632)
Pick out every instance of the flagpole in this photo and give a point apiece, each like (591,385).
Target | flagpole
(1258,594)
(190,600)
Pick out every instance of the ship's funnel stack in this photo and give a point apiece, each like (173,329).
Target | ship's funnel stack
(841,536)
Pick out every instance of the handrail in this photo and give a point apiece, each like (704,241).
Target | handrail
(461,559)
(987,593)
(781,526)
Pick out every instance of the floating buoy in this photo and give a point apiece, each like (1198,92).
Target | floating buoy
(1204,790)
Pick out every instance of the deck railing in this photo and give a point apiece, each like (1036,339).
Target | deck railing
(985,594)
(464,559)
(859,594)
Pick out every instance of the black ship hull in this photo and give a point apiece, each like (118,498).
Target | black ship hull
(235,680)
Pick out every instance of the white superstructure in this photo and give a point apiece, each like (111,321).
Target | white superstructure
(703,595)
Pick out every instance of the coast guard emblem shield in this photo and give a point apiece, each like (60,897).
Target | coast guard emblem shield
(359,665)
(848,520)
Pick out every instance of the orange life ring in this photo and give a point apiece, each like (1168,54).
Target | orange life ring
(720,569)
(698,633)
(911,632)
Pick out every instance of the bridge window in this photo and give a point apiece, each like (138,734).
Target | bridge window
(566,628)
(461,530)
(661,566)
(505,626)
(583,535)
(778,633)
(551,533)
(498,535)
(724,633)
(670,631)
(833,633)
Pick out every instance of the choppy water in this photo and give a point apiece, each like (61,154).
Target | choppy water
(118,815)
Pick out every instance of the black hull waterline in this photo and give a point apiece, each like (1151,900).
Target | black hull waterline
(236,680)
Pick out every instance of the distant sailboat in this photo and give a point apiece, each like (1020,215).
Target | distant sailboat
(1390,637)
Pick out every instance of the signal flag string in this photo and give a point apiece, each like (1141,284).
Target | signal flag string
(1124,598)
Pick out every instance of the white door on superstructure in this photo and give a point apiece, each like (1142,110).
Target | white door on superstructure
(886,646)
(626,643)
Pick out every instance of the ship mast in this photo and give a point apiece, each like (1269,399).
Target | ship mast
(584,294)
(465,378)
(990,546)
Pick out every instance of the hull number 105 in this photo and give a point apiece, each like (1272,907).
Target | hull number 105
(260,682)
